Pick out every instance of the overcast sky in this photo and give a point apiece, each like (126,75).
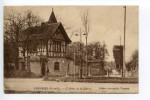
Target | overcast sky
(107,23)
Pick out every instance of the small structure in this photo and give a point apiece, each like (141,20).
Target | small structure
(96,68)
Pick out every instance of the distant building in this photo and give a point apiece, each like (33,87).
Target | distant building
(118,56)
(45,49)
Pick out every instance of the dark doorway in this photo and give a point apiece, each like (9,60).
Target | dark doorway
(23,65)
(43,71)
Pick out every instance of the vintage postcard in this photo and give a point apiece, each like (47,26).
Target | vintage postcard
(71,49)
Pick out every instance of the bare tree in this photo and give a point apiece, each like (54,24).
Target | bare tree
(85,18)
(31,21)
(14,24)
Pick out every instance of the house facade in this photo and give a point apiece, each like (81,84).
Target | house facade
(42,49)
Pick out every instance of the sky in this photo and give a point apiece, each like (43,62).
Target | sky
(107,23)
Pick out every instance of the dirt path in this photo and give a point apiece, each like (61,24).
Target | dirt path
(40,86)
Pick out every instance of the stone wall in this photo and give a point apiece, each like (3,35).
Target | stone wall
(66,67)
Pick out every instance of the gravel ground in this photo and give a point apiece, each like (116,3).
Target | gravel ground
(16,85)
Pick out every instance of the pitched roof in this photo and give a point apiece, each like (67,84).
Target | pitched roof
(52,18)
(39,31)
(43,32)
(46,30)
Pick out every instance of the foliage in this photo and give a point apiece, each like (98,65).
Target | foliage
(98,51)
(118,56)
(111,64)
(75,51)
(95,50)
(133,63)
(14,24)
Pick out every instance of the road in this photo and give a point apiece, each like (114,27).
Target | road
(40,86)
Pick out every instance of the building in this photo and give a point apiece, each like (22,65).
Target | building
(118,56)
(42,49)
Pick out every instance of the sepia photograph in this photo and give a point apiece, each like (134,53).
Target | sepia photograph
(71,49)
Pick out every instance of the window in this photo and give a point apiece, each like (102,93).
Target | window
(56,66)
(57,46)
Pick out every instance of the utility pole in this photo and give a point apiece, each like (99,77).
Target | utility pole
(87,71)
(123,69)
(80,55)
(74,63)
(81,67)
(103,62)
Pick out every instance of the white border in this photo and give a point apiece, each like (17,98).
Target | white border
(144,51)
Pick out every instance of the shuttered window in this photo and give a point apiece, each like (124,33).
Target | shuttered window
(56,66)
